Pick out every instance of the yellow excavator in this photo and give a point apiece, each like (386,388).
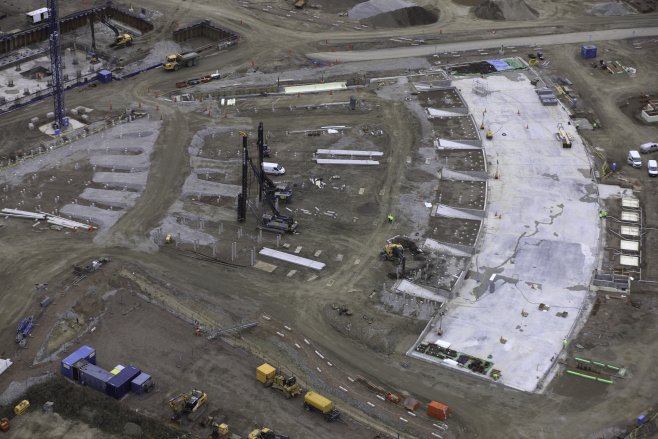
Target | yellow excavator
(393,252)
(265,433)
(187,403)
(122,40)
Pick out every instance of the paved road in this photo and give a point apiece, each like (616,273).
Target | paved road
(540,40)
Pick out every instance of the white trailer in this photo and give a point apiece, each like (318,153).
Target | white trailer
(37,16)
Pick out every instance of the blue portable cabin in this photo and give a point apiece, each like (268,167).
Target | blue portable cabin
(82,353)
(104,76)
(142,383)
(95,377)
(119,384)
(588,52)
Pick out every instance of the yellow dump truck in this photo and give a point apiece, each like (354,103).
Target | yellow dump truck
(314,402)
(21,407)
(271,377)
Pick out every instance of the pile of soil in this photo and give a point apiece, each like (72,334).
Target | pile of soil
(610,9)
(505,10)
(644,6)
(405,17)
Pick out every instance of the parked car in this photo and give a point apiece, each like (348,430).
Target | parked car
(646,148)
(652,168)
(634,159)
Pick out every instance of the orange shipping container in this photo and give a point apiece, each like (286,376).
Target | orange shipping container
(438,410)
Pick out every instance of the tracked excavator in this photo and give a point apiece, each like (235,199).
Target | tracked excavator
(393,252)
(187,403)
(121,39)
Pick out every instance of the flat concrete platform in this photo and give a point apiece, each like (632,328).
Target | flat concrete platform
(540,239)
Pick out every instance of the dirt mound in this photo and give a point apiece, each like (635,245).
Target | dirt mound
(411,16)
(610,9)
(505,10)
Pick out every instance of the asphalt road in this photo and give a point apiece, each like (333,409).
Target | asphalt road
(536,41)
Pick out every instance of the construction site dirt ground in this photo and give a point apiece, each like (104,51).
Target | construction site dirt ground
(370,343)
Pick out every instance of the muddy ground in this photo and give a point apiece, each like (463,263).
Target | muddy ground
(156,334)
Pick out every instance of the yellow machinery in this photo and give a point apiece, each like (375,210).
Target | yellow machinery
(489,134)
(176,61)
(168,239)
(271,377)
(393,252)
(187,403)
(265,433)
(21,407)
(563,136)
(218,430)
(299,4)
(122,40)
(314,402)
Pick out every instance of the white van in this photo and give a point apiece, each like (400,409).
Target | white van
(652,168)
(646,148)
(634,159)
(273,168)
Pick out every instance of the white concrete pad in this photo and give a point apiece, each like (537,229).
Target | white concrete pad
(406,287)
(451,212)
(632,246)
(283,256)
(548,234)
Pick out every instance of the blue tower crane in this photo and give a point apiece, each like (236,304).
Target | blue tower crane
(61,121)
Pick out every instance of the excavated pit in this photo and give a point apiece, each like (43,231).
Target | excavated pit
(405,17)
(512,10)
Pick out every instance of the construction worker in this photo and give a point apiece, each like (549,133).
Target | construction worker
(390,218)
(565,342)
(603,213)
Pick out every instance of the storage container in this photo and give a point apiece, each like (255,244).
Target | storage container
(83,352)
(438,410)
(104,76)
(94,377)
(119,384)
(588,52)
(142,383)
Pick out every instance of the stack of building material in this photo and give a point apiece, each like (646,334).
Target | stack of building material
(546,96)
(49,218)
(4,365)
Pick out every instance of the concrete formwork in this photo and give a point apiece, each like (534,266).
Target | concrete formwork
(70,23)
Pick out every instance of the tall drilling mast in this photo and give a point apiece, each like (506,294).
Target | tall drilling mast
(61,121)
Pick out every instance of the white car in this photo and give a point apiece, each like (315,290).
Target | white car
(652,168)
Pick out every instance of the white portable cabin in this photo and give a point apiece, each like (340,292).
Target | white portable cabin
(37,16)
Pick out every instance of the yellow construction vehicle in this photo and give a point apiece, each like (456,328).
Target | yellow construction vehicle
(489,134)
(176,61)
(218,430)
(393,252)
(168,239)
(299,4)
(187,403)
(265,433)
(271,377)
(563,136)
(122,40)
(21,407)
